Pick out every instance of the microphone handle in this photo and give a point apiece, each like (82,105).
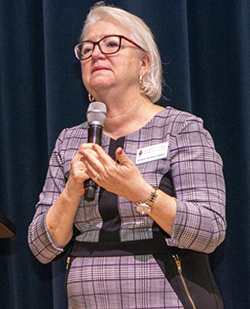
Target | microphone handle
(94,136)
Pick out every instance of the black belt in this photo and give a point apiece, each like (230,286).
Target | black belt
(136,247)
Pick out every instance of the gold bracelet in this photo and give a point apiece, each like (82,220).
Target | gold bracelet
(152,197)
(145,208)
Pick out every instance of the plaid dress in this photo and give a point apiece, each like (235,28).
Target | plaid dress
(191,172)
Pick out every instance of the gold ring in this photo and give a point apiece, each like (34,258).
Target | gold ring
(97,177)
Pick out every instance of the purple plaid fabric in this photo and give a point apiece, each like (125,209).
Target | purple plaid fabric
(196,170)
(119,282)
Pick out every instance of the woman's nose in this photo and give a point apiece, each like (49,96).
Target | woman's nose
(97,51)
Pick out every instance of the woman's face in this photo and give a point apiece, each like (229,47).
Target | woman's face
(119,71)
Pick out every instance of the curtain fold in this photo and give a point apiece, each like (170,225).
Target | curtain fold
(205,50)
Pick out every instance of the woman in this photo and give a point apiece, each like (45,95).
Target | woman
(160,204)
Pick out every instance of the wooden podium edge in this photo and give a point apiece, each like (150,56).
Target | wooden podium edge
(7,227)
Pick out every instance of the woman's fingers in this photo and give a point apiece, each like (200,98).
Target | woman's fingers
(122,179)
(95,163)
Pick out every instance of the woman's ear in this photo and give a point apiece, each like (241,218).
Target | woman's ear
(146,62)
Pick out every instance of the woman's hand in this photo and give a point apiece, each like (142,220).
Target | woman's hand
(78,175)
(121,178)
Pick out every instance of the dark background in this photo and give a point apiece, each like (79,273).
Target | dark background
(205,49)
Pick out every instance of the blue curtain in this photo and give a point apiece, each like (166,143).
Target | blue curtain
(205,49)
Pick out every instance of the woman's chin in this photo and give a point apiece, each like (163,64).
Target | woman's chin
(99,84)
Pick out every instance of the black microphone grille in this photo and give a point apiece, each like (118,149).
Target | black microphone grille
(96,113)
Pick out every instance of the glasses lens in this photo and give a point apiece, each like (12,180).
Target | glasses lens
(84,50)
(110,44)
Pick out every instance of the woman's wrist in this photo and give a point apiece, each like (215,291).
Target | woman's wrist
(145,207)
(142,193)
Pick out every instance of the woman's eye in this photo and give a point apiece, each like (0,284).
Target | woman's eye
(86,50)
(112,44)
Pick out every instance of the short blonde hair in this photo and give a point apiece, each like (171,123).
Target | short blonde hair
(141,34)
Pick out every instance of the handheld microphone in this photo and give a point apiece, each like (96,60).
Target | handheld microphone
(96,115)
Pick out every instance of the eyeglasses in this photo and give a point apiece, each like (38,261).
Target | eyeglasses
(108,45)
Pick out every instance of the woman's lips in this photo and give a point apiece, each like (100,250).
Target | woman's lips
(98,68)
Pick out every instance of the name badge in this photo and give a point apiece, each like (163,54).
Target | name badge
(151,153)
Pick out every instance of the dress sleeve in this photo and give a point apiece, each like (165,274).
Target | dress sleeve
(197,172)
(39,239)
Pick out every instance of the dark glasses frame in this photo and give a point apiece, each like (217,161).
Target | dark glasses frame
(78,53)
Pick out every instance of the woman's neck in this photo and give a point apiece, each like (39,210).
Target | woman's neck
(127,117)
